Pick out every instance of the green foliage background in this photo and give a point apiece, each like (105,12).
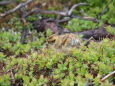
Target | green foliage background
(32,65)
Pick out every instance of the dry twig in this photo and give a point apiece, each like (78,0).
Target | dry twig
(16,8)
(75,6)
(37,10)
(79,17)
(68,13)
(2,3)
(107,76)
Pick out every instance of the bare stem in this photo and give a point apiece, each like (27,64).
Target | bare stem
(16,8)
(107,76)
(75,6)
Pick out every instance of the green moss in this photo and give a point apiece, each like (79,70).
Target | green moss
(33,65)
(80,25)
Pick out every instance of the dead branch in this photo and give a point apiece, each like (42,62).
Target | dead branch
(67,13)
(75,6)
(52,12)
(15,9)
(37,10)
(107,76)
(79,17)
(2,3)
(86,18)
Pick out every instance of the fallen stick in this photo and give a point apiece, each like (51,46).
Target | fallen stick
(67,13)
(15,9)
(62,13)
(107,76)
(2,3)
(75,6)
(78,17)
